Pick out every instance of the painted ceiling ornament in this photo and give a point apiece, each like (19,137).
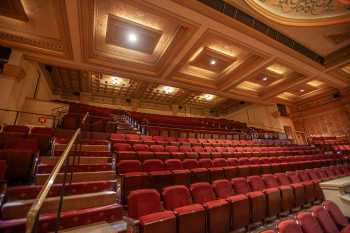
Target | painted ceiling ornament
(303,12)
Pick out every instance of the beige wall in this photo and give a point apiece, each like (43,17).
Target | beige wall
(262,116)
(14,93)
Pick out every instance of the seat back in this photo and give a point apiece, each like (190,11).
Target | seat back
(336,214)
(202,192)
(142,202)
(324,219)
(172,148)
(151,165)
(205,163)
(173,164)
(219,162)
(270,181)
(189,163)
(240,185)
(289,226)
(126,166)
(141,147)
(123,147)
(184,148)
(256,183)
(157,148)
(282,178)
(176,196)
(293,177)
(223,188)
(309,223)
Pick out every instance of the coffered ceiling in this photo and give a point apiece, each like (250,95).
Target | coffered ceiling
(173,52)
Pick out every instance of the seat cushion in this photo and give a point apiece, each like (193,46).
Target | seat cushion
(254,194)
(133,174)
(156,217)
(160,173)
(238,197)
(215,203)
(189,209)
(346,229)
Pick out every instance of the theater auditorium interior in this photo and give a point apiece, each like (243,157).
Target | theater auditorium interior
(175,116)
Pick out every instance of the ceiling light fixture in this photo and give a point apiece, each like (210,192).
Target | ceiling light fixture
(132,37)
(212,62)
(302,90)
(265,78)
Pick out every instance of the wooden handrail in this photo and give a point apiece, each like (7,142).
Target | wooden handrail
(34,210)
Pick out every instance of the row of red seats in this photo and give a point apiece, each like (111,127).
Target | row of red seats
(39,137)
(21,130)
(227,204)
(135,138)
(145,151)
(155,173)
(325,218)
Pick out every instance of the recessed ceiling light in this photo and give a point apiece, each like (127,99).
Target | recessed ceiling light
(208,97)
(115,81)
(265,78)
(168,90)
(302,90)
(212,62)
(132,37)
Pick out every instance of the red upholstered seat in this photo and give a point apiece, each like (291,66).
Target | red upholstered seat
(124,151)
(289,226)
(273,196)
(18,130)
(309,223)
(174,152)
(144,205)
(287,196)
(257,198)
(143,152)
(336,214)
(133,177)
(147,139)
(159,152)
(19,164)
(325,220)
(179,174)
(197,174)
(298,189)
(309,191)
(160,177)
(118,138)
(218,210)
(188,151)
(133,138)
(190,217)
(202,153)
(240,206)
(306,178)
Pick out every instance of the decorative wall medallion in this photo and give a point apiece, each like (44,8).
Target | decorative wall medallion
(303,12)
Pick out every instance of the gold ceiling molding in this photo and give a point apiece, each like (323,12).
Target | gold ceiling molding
(302,12)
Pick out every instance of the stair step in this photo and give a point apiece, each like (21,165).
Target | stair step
(102,148)
(31,191)
(79,177)
(19,209)
(88,153)
(99,227)
(44,168)
(69,219)
(52,160)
